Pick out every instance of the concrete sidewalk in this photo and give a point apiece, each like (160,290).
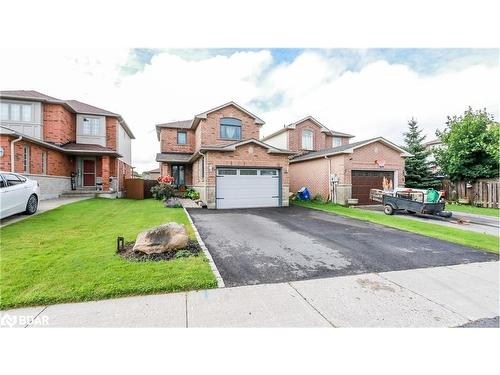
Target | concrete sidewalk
(43,206)
(448,296)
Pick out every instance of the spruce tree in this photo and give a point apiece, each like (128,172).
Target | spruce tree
(417,167)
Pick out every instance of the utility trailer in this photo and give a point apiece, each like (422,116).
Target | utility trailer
(409,200)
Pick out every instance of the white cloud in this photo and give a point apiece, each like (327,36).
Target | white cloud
(377,100)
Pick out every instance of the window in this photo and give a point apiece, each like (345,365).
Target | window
(307,139)
(178,174)
(44,162)
(13,179)
(336,142)
(230,128)
(181,138)
(268,172)
(226,172)
(3,183)
(91,126)
(17,112)
(26,159)
(248,172)
(201,168)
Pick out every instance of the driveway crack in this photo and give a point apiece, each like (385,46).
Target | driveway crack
(312,306)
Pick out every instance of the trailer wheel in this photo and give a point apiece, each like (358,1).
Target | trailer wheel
(388,210)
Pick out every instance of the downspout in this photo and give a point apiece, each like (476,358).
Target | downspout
(330,183)
(12,155)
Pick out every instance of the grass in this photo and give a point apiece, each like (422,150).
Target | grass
(68,255)
(473,210)
(472,239)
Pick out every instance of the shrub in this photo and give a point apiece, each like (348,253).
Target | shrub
(166,179)
(162,191)
(191,194)
(318,199)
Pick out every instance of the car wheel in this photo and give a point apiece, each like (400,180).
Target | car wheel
(388,210)
(32,205)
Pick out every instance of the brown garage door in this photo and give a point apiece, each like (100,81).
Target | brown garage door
(363,181)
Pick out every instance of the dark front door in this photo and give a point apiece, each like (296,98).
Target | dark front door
(178,173)
(363,181)
(88,172)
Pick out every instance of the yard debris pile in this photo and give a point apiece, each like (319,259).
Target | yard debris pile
(191,249)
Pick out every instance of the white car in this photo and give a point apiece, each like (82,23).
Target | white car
(17,194)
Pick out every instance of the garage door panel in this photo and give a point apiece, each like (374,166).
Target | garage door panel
(363,181)
(242,190)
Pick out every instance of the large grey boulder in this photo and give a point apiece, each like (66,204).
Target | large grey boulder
(166,237)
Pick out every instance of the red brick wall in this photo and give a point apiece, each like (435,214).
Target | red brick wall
(312,174)
(124,171)
(249,155)
(59,125)
(111,128)
(365,157)
(295,136)
(208,130)
(5,159)
(168,140)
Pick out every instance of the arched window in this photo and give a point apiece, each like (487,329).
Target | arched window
(230,128)
(307,139)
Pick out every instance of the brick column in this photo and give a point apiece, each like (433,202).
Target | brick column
(105,172)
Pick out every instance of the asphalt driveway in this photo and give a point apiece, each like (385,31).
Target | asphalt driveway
(269,245)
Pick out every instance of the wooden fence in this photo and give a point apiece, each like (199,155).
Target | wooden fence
(137,188)
(485,193)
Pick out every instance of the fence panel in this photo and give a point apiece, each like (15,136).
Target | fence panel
(485,193)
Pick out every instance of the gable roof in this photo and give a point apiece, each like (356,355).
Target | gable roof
(183,124)
(74,106)
(233,146)
(348,149)
(324,129)
(201,116)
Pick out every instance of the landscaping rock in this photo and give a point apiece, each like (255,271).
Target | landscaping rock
(166,237)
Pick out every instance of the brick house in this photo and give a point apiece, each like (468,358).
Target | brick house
(219,154)
(328,165)
(49,140)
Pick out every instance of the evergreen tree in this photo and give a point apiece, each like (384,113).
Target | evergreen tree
(417,167)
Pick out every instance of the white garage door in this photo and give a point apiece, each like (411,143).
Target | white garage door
(242,188)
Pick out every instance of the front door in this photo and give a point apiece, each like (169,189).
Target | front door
(88,172)
(178,175)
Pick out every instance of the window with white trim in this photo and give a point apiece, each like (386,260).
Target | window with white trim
(91,126)
(201,168)
(26,159)
(44,162)
(307,139)
(17,112)
(336,142)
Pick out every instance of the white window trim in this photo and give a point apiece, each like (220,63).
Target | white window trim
(304,132)
(26,159)
(21,105)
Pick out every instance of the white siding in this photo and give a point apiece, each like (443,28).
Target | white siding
(32,128)
(91,139)
(279,141)
(124,145)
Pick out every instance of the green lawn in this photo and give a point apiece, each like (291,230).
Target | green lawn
(473,210)
(68,254)
(477,240)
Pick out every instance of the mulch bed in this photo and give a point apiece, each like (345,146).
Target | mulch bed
(192,249)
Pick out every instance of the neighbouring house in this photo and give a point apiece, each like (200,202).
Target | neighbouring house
(50,140)
(153,174)
(350,170)
(219,154)
(306,135)
(432,146)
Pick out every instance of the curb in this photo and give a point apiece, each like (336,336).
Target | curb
(220,281)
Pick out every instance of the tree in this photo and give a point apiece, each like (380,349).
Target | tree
(417,167)
(470,146)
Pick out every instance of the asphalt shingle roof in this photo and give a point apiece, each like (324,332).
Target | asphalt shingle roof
(184,124)
(28,94)
(173,157)
(331,150)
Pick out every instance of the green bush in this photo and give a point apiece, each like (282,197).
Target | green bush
(162,191)
(318,199)
(191,194)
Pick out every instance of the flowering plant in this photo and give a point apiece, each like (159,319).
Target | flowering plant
(165,179)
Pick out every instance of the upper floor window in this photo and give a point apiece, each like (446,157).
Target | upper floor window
(336,141)
(307,139)
(230,128)
(181,138)
(91,126)
(17,112)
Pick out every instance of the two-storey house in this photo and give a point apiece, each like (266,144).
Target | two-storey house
(218,153)
(57,142)
(330,166)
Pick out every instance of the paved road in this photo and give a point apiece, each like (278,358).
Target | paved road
(43,206)
(463,295)
(269,245)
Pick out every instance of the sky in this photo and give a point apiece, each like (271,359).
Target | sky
(364,92)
